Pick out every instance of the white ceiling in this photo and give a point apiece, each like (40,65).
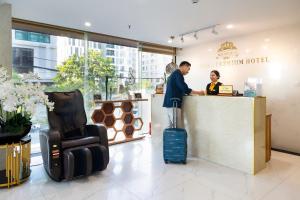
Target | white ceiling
(156,20)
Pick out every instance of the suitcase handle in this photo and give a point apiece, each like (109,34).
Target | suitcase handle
(175,105)
(175,102)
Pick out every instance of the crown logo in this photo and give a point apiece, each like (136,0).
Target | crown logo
(227,51)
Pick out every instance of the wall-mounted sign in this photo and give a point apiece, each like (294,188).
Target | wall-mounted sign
(227,54)
(227,51)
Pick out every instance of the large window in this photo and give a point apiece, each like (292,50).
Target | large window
(151,74)
(153,68)
(109,70)
(37,53)
(105,71)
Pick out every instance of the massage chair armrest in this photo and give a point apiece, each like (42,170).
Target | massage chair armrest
(97,130)
(50,142)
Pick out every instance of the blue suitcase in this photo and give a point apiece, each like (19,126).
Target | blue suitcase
(175,141)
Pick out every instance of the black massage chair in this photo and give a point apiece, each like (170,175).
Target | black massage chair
(71,148)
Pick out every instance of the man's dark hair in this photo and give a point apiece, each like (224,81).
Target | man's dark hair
(185,63)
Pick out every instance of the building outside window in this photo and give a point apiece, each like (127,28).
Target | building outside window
(31,36)
(110,52)
(23,60)
(110,46)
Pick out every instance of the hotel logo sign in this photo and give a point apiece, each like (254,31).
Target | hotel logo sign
(227,51)
(228,54)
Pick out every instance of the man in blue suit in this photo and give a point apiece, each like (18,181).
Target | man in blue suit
(177,88)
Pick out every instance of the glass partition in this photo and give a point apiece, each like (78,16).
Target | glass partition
(152,73)
(99,70)
(58,61)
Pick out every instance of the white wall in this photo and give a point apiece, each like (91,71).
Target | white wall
(280,75)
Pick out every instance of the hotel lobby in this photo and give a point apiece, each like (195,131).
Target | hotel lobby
(140,100)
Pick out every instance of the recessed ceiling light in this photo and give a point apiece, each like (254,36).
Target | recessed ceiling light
(209,49)
(265,47)
(88,24)
(229,26)
(267,40)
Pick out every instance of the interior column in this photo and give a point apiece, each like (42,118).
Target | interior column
(5,37)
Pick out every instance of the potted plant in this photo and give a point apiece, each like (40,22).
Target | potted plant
(18,100)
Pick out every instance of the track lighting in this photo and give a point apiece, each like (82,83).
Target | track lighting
(213,31)
(196,36)
(195,33)
(171,39)
(182,40)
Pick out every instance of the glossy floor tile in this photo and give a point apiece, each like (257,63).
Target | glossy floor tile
(137,172)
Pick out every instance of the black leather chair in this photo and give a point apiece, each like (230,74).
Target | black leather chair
(70,148)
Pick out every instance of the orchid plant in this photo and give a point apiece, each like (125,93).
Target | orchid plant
(18,100)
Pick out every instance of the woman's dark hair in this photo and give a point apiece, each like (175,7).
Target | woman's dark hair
(216,73)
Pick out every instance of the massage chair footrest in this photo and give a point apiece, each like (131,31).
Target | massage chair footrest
(84,160)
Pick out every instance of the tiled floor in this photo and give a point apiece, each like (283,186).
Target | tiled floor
(137,171)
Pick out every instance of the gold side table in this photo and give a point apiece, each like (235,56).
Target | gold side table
(15,162)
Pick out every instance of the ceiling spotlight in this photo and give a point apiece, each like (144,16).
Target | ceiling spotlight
(229,26)
(182,40)
(213,31)
(171,39)
(87,24)
(196,36)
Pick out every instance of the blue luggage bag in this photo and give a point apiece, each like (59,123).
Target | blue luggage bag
(175,141)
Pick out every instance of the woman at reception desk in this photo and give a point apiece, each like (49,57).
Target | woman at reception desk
(213,87)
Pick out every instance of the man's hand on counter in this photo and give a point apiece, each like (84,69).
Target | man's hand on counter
(197,92)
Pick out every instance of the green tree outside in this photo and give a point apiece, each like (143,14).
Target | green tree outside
(70,75)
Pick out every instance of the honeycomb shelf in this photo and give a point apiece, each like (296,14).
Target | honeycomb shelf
(117,116)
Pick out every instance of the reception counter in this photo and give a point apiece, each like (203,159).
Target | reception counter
(229,131)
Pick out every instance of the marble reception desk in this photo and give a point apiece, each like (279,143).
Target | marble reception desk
(229,131)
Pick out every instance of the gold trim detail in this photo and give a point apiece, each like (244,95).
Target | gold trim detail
(17,163)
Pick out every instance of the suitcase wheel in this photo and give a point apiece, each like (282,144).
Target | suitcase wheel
(166,161)
(183,162)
